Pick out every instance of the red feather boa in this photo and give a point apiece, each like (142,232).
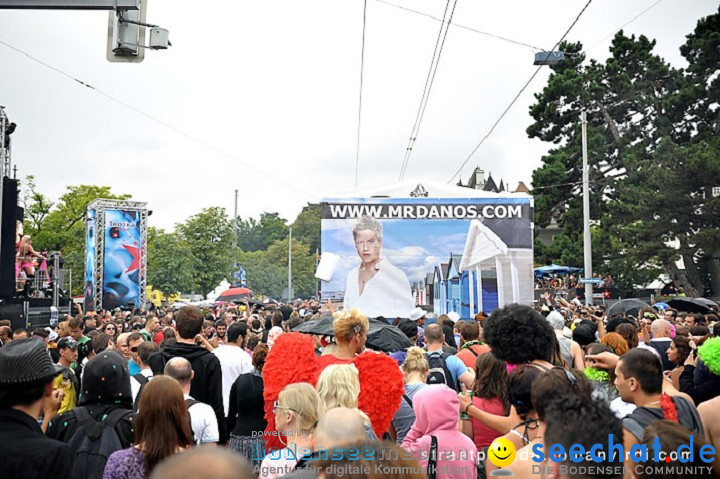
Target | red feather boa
(292,360)
(668,408)
(381,389)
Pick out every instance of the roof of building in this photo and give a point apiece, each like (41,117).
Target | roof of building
(490,185)
(521,188)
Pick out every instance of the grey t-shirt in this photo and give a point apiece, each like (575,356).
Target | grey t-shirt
(405,416)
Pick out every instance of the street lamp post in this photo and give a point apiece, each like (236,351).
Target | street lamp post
(587,241)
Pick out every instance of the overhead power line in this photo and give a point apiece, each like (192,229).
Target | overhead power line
(437,53)
(505,39)
(624,25)
(362,66)
(161,122)
(532,77)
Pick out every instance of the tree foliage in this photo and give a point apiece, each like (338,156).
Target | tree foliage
(209,238)
(171,265)
(306,227)
(256,235)
(60,226)
(653,149)
(303,265)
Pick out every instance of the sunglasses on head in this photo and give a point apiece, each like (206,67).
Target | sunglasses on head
(276,406)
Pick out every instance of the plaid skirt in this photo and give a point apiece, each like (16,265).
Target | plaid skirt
(251,448)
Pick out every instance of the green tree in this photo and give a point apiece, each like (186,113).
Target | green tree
(263,277)
(61,226)
(171,265)
(645,191)
(258,235)
(209,237)
(37,207)
(306,227)
(699,101)
(303,265)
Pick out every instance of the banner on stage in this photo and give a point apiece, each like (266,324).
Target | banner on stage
(90,252)
(392,254)
(121,281)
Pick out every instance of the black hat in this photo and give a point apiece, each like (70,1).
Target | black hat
(408,327)
(26,360)
(106,381)
(67,342)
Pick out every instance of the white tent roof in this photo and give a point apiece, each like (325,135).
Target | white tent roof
(481,244)
(223,286)
(435,189)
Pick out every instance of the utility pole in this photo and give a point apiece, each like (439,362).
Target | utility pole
(587,241)
(290,294)
(235,225)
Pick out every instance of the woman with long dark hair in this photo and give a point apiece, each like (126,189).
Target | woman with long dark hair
(246,413)
(490,394)
(161,430)
(677,353)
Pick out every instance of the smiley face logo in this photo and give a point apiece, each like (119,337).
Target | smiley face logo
(501,452)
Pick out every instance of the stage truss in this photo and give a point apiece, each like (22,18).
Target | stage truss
(100,206)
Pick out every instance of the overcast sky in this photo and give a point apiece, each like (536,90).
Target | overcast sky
(274,84)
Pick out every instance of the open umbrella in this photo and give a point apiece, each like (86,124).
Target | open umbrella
(322,326)
(381,336)
(626,307)
(386,337)
(554,269)
(235,294)
(708,302)
(690,305)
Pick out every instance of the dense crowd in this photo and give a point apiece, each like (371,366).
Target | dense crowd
(136,394)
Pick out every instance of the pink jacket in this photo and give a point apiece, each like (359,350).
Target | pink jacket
(437,414)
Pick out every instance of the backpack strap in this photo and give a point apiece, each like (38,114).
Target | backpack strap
(93,428)
(633,427)
(140,378)
(640,419)
(473,351)
(407,399)
(432,458)
(190,403)
(115,416)
(690,411)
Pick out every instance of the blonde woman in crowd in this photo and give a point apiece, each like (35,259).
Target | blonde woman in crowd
(339,386)
(296,414)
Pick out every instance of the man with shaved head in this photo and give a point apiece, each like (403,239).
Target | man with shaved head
(661,331)
(210,463)
(339,427)
(202,417)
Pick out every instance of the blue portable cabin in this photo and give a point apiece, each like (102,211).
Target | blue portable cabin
(440,292)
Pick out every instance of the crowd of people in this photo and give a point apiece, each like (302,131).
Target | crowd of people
(167,394)
(569,281)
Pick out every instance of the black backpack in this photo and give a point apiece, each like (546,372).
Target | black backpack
(93,442)
(143,380)
(438,372)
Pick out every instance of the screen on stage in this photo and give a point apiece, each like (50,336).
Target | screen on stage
(121,268)
(393,254)
(89,284)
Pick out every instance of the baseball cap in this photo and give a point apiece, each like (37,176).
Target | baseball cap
(67,342)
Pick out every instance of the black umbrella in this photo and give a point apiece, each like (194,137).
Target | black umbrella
(708,302)
(690,305)
(626,307)
(322,326)
(381,335)
(386,337)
